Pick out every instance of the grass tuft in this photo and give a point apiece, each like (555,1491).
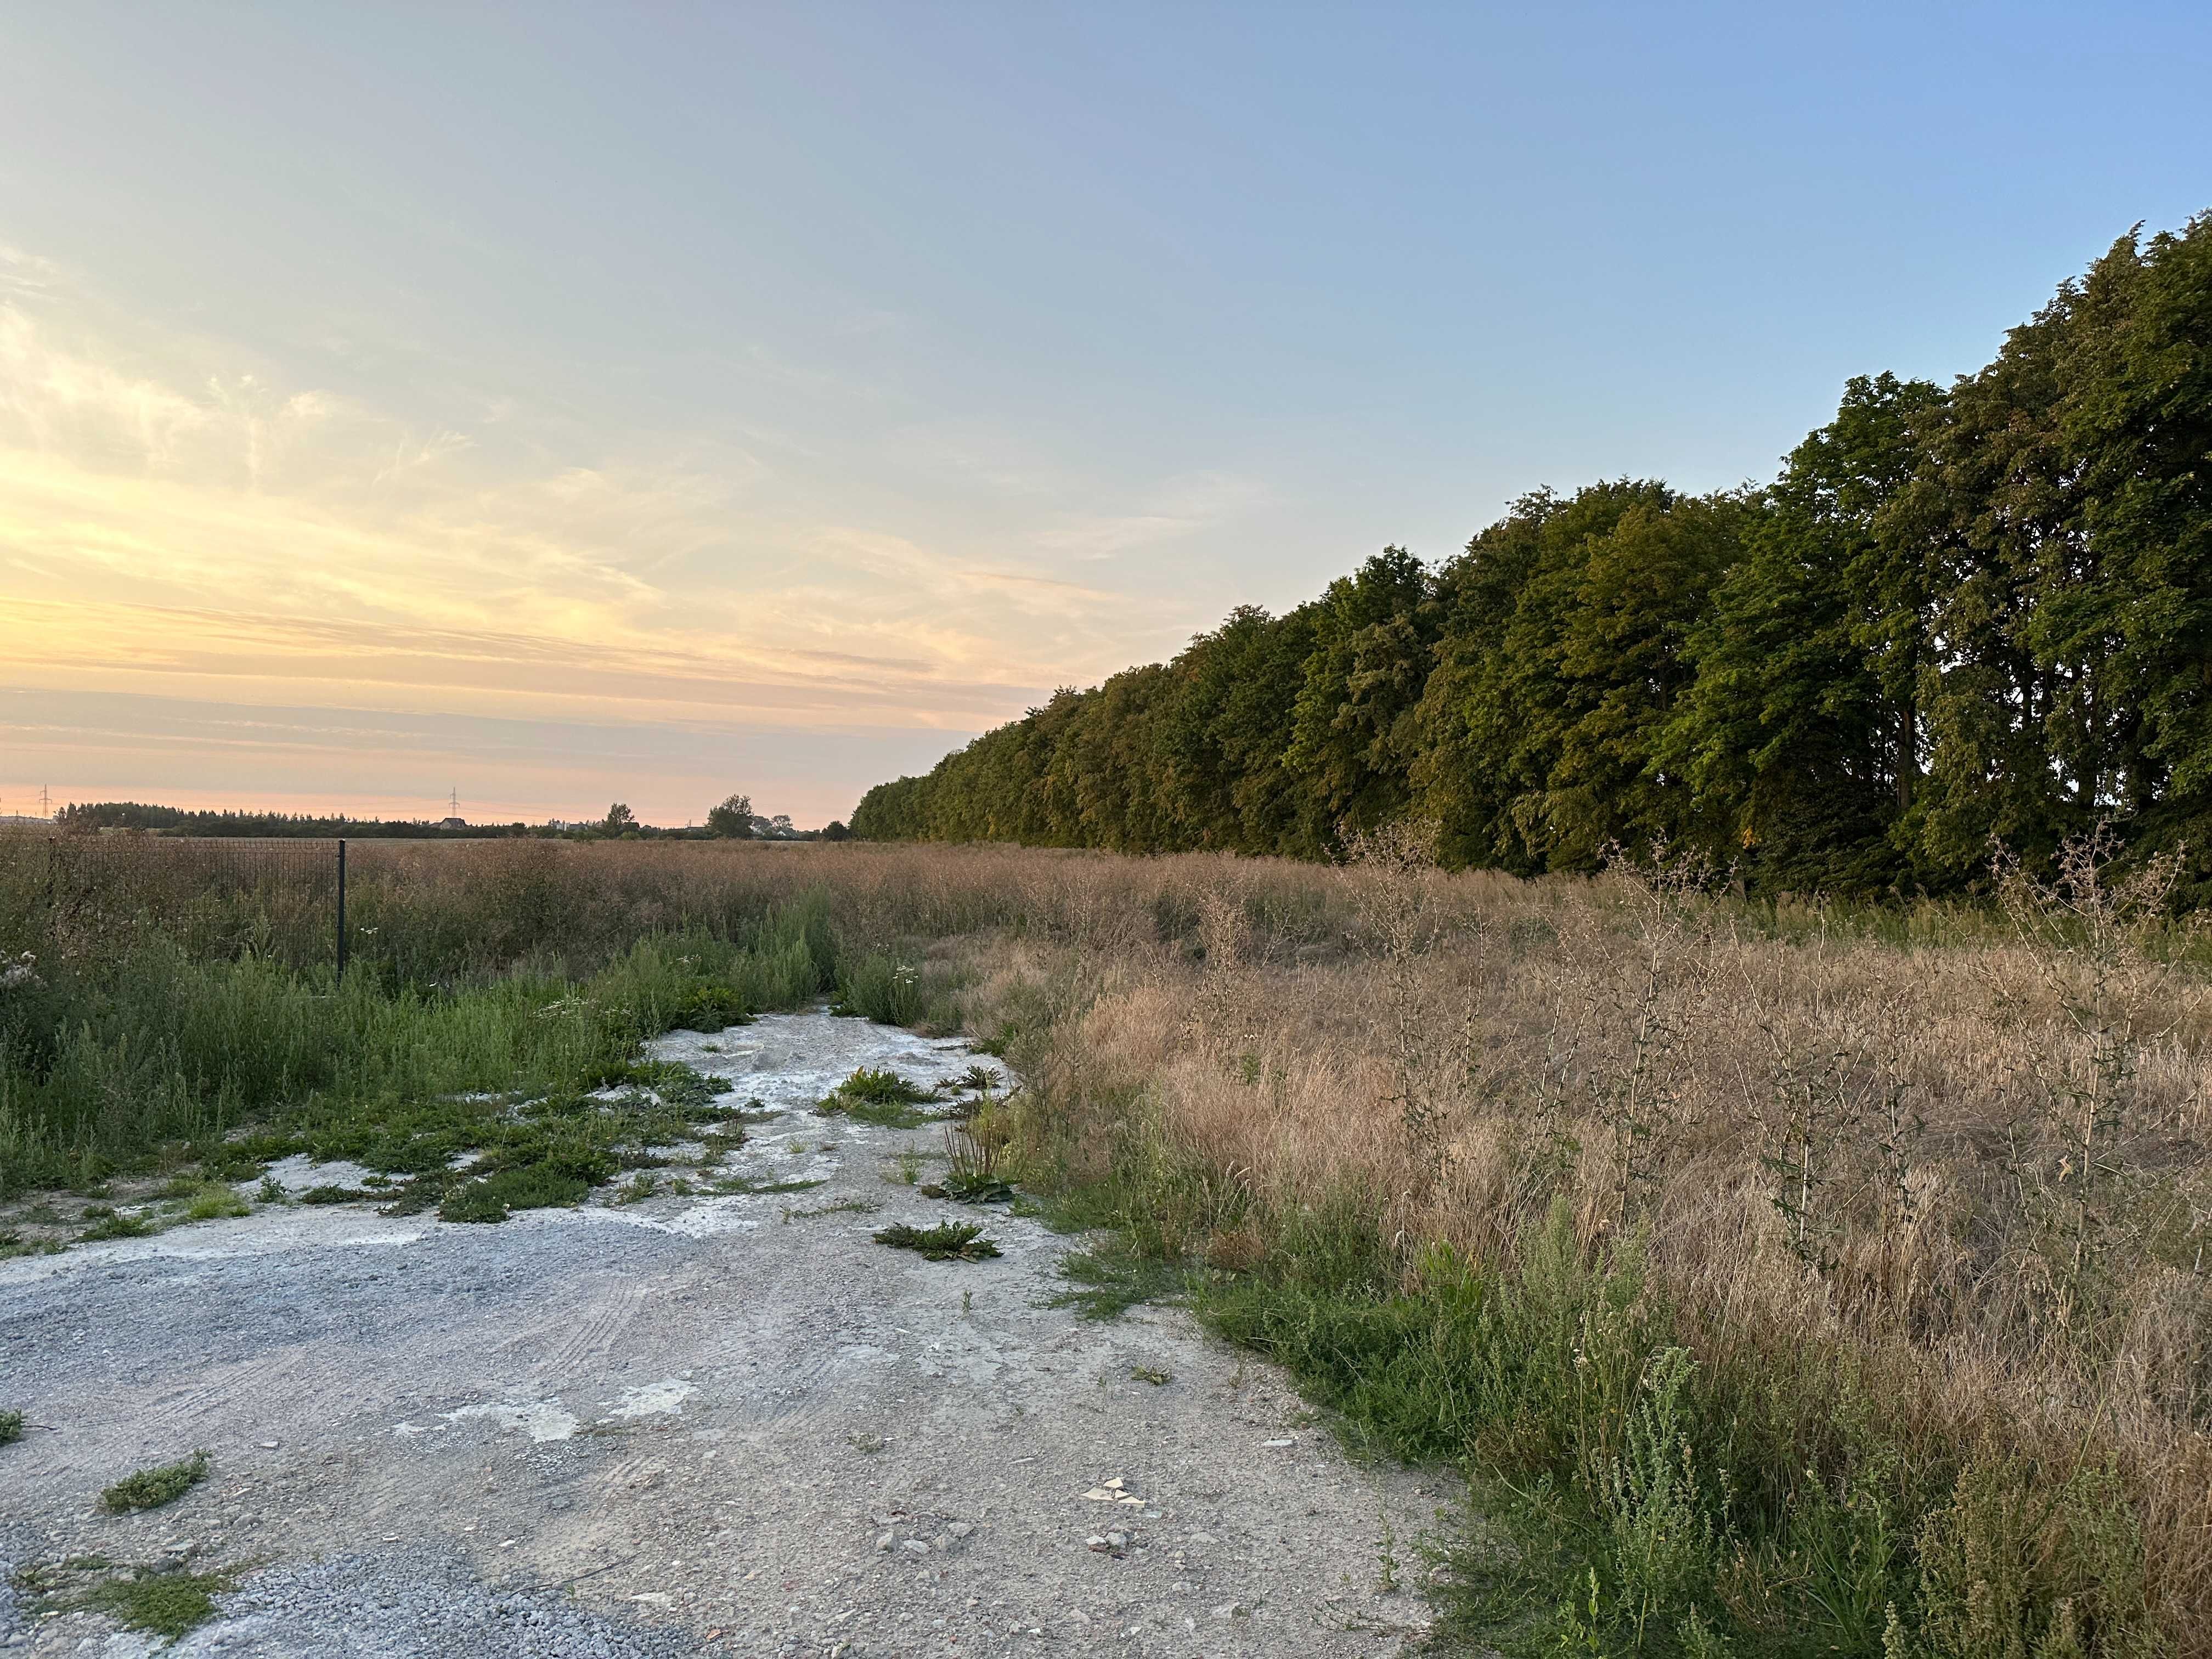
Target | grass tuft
(216,1202)
(1107,1281)
(107,1223)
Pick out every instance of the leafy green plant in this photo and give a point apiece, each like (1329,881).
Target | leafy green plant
(950,1241)
(107,1223)
(11,1427)
(150,1488)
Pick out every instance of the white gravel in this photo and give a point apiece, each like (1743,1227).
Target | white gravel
(709,1424)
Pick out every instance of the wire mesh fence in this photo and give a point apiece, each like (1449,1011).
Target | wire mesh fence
(284,899)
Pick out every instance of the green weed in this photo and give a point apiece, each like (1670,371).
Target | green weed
(763,1188)
(113,1063)
(843,1206)
(1107,1281)
(166,1604)
(149,1489)
(11,1427)
(951,1241)
(329,1194)
(214,1202)
(107,1223)
(880,987)
(879,1097)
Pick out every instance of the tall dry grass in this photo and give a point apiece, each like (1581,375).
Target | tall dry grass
(1962,1187)
(1924,1195)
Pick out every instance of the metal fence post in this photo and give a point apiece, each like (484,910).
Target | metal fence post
(342,927)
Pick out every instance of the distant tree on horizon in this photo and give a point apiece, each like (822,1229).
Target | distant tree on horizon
(733,819)
(619,817)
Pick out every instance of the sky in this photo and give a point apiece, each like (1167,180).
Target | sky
(561,404)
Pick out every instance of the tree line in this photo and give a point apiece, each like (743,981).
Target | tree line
(732,819)
(1958,616)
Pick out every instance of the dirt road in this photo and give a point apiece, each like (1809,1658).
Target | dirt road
(723,1424)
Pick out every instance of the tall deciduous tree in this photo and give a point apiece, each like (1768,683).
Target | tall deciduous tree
(733,818)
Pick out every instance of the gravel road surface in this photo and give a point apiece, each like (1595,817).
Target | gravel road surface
(726,1425)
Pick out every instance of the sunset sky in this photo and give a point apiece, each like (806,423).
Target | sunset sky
(566,404)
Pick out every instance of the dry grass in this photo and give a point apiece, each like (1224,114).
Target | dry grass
(1970,1177)
(1937,1179)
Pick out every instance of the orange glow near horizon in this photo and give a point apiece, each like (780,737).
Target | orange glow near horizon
(227,596)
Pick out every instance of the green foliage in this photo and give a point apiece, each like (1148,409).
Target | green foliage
(882,1088)
(733,819)
(878,986)
(950,1241)
(11,1427)
(166,1604)
(106,1224)
(882,1098)
(1955,615)
(108,1061)
(1644,1499)
(1107,1280)
(679,1086)
(215,1201)
(149,1489)
(2010,1566)
(328,1195)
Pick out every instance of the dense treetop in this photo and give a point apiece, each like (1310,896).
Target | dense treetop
(1957,616)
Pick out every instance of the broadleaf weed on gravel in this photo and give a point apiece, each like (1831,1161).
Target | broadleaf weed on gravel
(950,1241)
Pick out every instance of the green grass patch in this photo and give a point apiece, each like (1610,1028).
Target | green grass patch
(136,1061)
(328,1195)
(879,987)
(878,1115)
(149,1489)
(165,1604)
(843,1206)
(11,1427)
(1107,1280)
(950,1241)
(107,1223)
(882,1088)
(746,1184)
(882,1098)
(680,1087)
(215,1202)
